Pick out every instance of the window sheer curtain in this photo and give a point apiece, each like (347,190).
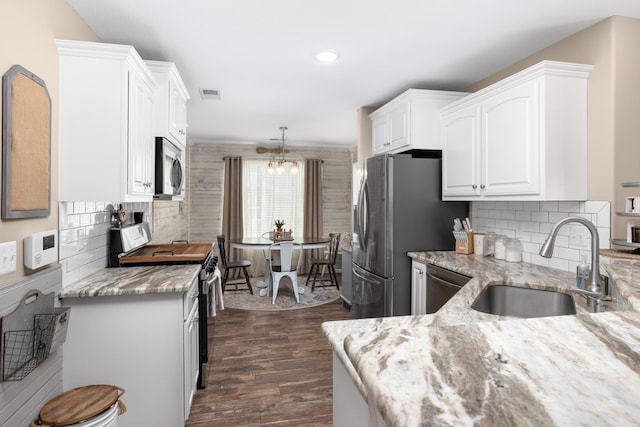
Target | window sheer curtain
(266,198)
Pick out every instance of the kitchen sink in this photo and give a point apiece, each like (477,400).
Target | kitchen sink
(514,301)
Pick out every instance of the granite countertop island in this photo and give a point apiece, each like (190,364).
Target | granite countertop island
(134,280)
(462,367)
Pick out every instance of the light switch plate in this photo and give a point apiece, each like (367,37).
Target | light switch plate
(578,236)
(7,257)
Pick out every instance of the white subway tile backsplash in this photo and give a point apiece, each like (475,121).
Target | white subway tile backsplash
(571,206)
(79,207)
(516,206)
(531,222)
(595,207)
(537,216)
(549,206)
(83,230)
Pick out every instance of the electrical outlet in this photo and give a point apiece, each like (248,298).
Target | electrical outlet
(578,236)
(7,257)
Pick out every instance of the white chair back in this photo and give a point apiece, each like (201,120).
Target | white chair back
(286,250)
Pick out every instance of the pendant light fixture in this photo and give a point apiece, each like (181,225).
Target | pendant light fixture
(277,167)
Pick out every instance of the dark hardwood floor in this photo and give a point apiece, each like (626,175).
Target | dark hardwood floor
(268,369)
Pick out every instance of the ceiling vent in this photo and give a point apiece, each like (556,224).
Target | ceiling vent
(210,94)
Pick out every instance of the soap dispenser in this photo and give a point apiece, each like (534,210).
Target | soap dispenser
(582,273)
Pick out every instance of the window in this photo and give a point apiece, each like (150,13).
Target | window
(266,198)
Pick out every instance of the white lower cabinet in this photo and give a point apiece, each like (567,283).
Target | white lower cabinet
(350,409)
(418,288)
(523,138)
(147,344)
(191,355)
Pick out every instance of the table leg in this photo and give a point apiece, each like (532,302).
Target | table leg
(267,287)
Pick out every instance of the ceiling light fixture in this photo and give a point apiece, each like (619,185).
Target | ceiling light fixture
(277,167)
(327,55)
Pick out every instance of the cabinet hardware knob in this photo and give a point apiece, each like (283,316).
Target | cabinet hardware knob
(482,186)
(474,186)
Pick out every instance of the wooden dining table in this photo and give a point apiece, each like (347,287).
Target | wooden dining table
(263,243)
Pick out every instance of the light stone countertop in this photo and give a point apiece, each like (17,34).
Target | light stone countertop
(462,367)
(133,280)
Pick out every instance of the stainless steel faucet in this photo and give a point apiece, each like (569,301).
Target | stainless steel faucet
(594,292)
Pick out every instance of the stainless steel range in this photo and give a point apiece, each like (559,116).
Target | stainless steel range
(130,246)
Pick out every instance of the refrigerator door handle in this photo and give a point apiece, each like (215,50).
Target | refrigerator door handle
(360,218)
(355,273)
(365,214)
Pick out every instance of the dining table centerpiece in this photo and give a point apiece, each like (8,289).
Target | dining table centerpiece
(280,233)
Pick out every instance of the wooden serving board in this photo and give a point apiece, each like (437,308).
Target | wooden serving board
(182,252)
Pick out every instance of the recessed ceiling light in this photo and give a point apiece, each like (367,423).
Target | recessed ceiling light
(327,55)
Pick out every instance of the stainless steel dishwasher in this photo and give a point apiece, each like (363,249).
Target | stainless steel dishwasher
(442,284)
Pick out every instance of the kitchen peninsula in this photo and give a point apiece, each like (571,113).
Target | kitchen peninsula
(463,367)
(136,327)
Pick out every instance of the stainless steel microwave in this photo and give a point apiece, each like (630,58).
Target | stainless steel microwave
(169,170)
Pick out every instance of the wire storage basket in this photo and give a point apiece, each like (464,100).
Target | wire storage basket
(24,350)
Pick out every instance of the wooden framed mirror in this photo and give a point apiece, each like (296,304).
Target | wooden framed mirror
(26,145)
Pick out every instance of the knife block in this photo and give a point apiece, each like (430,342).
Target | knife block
(464,242)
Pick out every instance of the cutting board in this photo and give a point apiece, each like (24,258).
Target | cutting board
(167,253)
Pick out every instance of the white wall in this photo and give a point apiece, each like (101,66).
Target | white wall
(28,29)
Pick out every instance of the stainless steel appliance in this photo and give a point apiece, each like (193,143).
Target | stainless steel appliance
(169,172)
(399,210)
(442,284)
(130,246)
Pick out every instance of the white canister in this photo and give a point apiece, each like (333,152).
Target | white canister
(500,247)
(489,243)
(478,243)
(513,250)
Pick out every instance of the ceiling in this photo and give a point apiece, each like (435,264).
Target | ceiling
(260,53)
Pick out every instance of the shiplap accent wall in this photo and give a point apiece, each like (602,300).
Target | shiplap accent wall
(206,175)
(170,221)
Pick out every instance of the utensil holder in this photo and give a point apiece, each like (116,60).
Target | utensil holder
(464,242)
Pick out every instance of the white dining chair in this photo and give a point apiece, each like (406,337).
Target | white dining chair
(285,267)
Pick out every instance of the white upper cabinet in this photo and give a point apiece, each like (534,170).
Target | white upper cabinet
(171,102)
(410,121)
(523,138)
(106,149)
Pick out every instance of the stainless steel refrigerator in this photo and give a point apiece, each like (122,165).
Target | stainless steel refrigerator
(398,210)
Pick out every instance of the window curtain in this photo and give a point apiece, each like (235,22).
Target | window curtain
(313,220)
(232,226)
(267,198)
